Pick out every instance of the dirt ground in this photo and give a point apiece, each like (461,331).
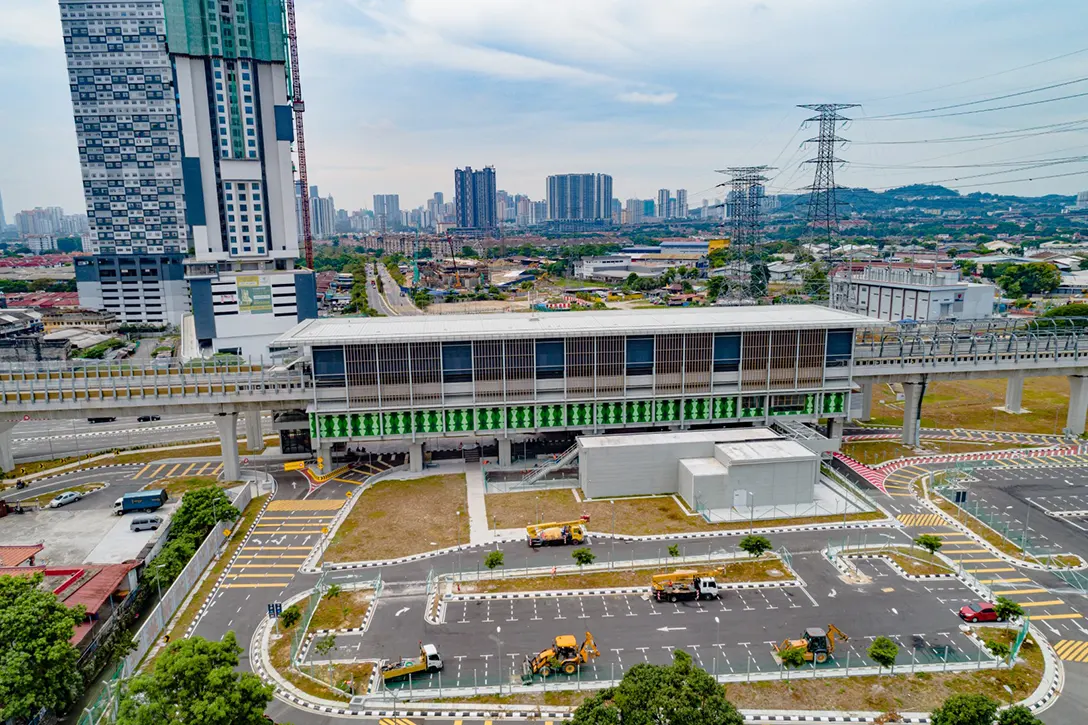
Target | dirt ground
(397,518)
(971,403)
(482,306)
(344,611)
(743,571)
(634,516)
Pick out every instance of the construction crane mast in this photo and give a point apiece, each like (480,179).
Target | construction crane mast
(298,106)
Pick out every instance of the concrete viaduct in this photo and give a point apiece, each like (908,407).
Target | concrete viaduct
(223,390)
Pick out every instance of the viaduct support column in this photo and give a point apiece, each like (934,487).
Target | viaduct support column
(866,401)
(7,453)
(415,457)
(505,452)
(912,411)
(227,423)
(324,452)
(835,428)
(254,437)
(1078,403)
(1014,394)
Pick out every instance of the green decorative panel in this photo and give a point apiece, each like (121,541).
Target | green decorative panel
(313,425)
(521,417)
(397,423)
(639,411)
(834,403)
(809,408)
(328,426)
(697,409)
(371,424)
(490,419)
(356,425)
(579,414)
(810,404)
(551,416)
(428,421)
(724,408)
(667,410)
(755,411)
(459,420)
(609,413)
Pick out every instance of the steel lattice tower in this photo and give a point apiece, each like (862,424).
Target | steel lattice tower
(744,207)
(823,210)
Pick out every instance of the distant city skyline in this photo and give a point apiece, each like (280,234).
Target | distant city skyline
(641,89)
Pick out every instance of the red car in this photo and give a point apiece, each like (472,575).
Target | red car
(979,612)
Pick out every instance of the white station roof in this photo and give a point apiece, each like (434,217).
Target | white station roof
(347,330)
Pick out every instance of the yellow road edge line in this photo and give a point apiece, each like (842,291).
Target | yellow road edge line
(987,571)
(1051,603)
(1073,615)
(1019,591)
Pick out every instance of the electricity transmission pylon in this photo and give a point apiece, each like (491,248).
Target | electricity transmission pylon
(823,210)
(747,272)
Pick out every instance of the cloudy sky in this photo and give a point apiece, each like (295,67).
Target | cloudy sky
(658,94)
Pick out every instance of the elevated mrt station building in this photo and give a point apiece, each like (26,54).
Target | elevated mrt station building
(501,378)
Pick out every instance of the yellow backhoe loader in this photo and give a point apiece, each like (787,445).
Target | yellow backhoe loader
(563,656)
(818,645)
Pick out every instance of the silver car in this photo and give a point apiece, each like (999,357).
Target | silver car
(65,498)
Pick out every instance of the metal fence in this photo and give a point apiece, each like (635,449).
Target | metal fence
(172,598)
(105,704)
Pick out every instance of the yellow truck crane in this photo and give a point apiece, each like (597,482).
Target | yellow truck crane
(557,533)
(563,656)
(684,584)
(818,645)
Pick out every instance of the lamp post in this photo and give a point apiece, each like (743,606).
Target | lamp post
(458,545)
(613,502)
(751,511)
(498,631)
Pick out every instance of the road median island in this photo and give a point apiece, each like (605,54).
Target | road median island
(279,655)
(767,569)
(913,562)
(401,517)
(43,500)
(342,610)
(633,516)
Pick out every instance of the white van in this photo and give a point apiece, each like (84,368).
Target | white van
(143,523)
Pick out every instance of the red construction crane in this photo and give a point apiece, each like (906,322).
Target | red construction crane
(299,106)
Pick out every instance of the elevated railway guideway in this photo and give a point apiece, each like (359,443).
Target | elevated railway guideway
(1014,351)
(88,389)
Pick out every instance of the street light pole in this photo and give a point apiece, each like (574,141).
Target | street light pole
(498,631)
(613,502)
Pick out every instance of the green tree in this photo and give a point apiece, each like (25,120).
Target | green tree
(493,560)
(324,645)
(714,288)
(929,542)
(37,664)
(193,681)
(651,694)
(792,657)
(965,710)
(998,649)
(199,511)
(967,266)
(674,550)
(583,556)
(755,545)
(1077,310)
(290,616)
(814,281)
(1029,279)
(883,651)
(1007,609)
(333,591)
(1017,715)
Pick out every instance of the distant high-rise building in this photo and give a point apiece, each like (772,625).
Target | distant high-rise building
(580,196)
(682,203)
(475,198)
(617,211)
(636,210)
(387,211)
(662,204)
(705,209)
(3,219)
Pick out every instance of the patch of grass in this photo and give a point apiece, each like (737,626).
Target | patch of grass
(995,539)
(396,518)
(973,405)
(634,516)
(345,611)
(177,487)
(279,654)
(767,569)
(45,498)
(917,562)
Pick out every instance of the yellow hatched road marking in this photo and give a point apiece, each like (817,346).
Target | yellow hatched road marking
(201,471)
(297,518)
(988,571)
(399,721)
(276,548)
(1051,603)
(946,550)
(217,470)
(902,495)
(1073,615)
(272,556)
(1007,592)
(921,520)
(254,586)
(155,473)
(259,565)
(171,471)
(346,480)
(317,504)
(980,561)
(1004,581)
(1071,649)
(258,576)
(141,472)
(189,468)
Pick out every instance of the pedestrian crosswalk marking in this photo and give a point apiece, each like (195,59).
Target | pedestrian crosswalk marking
(261,565)
(255,586)
(276,548)
(264,575)
(1072,650)
(921,520)
(1008,592)
(946,550)
(317,504)
(988,571)
(1072,615)
(980,561)
(272,556)
(1051,603)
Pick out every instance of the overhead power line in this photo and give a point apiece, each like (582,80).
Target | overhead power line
(1017,94)
(1012,133)
(980,110)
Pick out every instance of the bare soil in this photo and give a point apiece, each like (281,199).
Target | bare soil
(346,610)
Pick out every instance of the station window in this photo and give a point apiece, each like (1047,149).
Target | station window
(726,352)
(640,356)
(329,366)
(840,343)
(456,362)
(549,359)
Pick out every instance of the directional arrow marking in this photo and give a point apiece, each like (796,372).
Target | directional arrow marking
(401,611)
(670,629)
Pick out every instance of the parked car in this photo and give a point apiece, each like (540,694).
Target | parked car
(147,418)
(101,420)
(979,612)
(65,498)
(143,523)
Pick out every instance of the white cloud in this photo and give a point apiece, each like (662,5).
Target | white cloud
(33,23)
(652,99)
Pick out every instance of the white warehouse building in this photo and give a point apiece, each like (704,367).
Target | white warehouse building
(895,294)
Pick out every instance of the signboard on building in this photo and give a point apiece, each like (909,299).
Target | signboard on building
(254,294)
(715,244)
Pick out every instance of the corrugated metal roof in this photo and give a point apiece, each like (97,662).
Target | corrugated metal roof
(324,331)
(94,593)
(16,555)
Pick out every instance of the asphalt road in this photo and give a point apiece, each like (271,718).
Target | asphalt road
(397,300)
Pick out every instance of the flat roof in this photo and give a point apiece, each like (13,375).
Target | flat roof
(338,330)
(765,451)
(721,435)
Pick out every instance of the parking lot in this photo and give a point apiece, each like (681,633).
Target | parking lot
(733,634)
